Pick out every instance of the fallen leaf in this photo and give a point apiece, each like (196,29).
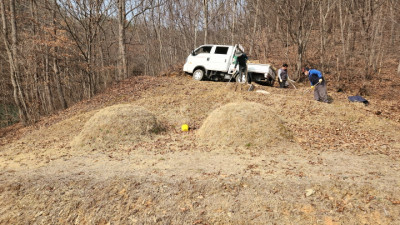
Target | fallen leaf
(309,192)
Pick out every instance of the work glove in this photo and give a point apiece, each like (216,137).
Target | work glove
(312,87)
(320,81)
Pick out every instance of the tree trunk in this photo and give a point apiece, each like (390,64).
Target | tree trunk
(56,68)
(299,64)
(157,29)
(254,28)
(341,21)
(47,86)
(195,33)
(89,70)
(13,61)
(392,30)
(60,90)
(322,37)
(104,75)
(36,83)
(205,28)
(122,68)
(233,22)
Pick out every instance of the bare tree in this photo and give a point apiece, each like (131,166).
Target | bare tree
(371,28)
(56,67)
(342,22)
(83,21)
(298,20)
(325,8)
(233,28)
(205,22)
(122,24)
(11,43)
(257,9)
(135,8)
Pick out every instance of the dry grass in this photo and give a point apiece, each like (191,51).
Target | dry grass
(117,126)
(244,124)
(345,152)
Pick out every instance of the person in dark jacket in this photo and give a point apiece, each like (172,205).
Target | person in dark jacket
(241,60)
(283,76)
(318,84)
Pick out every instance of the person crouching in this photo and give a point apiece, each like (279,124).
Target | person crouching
(318,84)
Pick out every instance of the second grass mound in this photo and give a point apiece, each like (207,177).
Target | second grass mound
(243,124)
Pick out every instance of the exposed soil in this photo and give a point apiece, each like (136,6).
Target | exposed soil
(339,166)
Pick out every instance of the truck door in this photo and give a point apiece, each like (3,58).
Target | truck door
(220,58)
(201,56)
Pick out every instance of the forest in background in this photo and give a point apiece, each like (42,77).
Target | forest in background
(59,52)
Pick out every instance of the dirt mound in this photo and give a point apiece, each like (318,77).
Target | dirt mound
(117,126)
(243,124)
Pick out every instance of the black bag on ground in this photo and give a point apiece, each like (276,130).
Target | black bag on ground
(358,98)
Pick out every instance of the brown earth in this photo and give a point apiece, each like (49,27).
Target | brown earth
(339,165)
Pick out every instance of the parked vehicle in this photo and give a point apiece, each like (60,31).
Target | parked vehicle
(216,62)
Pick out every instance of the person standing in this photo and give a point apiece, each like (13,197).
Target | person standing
(318,84)
(241,60)
(283,76)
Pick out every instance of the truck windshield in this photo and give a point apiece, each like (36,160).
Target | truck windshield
(204,49)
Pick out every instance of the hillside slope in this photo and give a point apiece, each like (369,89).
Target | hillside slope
(340,163)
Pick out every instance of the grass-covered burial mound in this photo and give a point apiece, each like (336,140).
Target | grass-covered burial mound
(116,126)
(243,124)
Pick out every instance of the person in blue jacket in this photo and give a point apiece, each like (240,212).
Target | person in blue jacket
(318,84)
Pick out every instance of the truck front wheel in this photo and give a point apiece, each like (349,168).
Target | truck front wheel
(198,74)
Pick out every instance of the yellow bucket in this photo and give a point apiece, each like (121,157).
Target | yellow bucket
(185,127)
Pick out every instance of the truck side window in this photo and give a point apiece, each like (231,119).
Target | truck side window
(204,49)
(222,50)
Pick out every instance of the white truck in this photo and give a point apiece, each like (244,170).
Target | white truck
(216,62)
